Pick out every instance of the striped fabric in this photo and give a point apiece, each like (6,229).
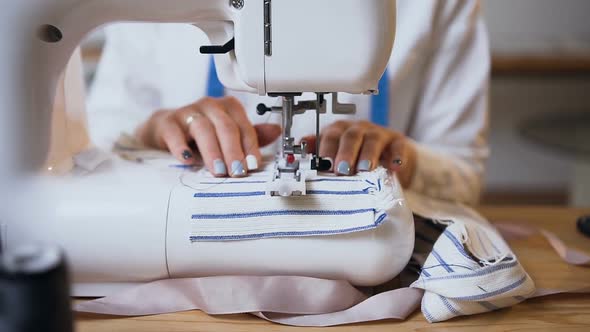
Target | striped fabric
(333,205)
(461,262)
(464,265)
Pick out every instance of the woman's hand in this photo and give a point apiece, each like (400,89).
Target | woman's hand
(224,136)
(357,146)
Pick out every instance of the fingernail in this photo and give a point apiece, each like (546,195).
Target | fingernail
(364,166)
(219,167)
(343,168)
(186,154)
(325,165)
(237,168)
(251,162)
(328,159)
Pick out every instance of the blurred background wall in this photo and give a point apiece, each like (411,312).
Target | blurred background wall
(538,26)
(541,55)
(541,65)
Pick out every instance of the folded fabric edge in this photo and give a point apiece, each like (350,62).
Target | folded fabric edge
(440,308)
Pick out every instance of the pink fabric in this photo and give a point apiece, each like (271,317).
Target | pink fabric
(230,294)
(291,300)
(569,255)
(300,301)
(394,304)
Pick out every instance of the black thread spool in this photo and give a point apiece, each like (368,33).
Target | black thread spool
(584,225)
(34,291)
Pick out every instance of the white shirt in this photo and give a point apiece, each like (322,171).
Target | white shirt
(438,71)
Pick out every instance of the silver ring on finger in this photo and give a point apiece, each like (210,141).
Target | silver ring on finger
(191,118)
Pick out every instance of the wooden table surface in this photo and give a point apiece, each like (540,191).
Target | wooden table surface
(561,313)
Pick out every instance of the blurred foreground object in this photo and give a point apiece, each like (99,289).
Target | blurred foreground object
(584,225)
(34,291)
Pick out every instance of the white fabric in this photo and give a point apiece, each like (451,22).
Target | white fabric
(468,267)
(333,205)
(438,88)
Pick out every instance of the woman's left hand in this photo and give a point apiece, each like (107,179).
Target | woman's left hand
(356,146)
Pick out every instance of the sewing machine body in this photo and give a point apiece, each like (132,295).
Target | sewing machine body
(139,233)
(116,225)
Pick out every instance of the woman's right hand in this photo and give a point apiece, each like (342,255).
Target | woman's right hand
(224,136)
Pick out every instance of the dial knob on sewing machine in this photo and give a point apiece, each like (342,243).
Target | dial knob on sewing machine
(261,109)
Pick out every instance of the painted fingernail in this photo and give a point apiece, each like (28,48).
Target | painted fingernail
(251,162)
(328,160)
(325,165)
(343,168)
(364,166)
(186,154)
(219,167)
(237,168)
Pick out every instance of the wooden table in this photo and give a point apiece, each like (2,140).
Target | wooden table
(552,64)
(558,312)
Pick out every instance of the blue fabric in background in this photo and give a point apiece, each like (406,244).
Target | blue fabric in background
(214,86)
(380,103)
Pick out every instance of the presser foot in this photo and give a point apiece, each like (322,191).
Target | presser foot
(289,177)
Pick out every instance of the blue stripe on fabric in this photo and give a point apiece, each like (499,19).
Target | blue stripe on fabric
(488,305)
(279,234)
(263,181)
(441,261)
(232,182)
(335,192)
(214,86)
(230,194)
(380,219)
(425,273)
(451,265)
(380,103)
(483,271)
(182,166)
(449,307)
(280,213)
(262,193)
(494,293)
(334,180)
(425,312)
(457,244)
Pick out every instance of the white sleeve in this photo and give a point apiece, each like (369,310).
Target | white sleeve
(123,93)
(449,128)
(128,77)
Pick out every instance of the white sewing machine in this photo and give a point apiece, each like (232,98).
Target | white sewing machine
(114,224)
